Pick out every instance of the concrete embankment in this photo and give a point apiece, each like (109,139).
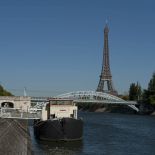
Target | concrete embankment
(14,137)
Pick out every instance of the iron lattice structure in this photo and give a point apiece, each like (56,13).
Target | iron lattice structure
(94,97)
(106,77)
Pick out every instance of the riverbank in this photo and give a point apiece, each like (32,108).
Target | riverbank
(143,109)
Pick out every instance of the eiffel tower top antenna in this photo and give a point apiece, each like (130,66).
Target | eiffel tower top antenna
(106,21)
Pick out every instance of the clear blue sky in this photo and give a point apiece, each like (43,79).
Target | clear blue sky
(55,46)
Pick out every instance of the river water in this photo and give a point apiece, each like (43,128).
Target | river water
(106,134)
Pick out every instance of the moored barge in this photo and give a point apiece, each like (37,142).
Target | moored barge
(59,121)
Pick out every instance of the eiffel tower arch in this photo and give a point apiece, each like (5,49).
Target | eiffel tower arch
(106,76)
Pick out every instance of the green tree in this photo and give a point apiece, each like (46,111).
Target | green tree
(132,91)
(4,92)
(151,85)
(135,92)
(149,94)
(151,90)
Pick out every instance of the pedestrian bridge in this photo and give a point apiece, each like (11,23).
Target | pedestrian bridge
(97,97)
(91,97)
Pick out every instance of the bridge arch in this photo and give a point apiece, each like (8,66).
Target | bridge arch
(90,95)
(97,97)
(7,104)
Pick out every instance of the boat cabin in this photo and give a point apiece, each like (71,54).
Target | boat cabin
(59,108)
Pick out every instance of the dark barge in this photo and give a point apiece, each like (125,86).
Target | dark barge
(59,122)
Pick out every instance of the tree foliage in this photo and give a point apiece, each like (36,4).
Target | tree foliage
(135,92)
(151,85)
(4,92)
(149,94)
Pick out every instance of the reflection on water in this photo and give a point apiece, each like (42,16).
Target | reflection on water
(58,148)
(106,134)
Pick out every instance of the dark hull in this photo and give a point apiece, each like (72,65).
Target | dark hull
(66,129)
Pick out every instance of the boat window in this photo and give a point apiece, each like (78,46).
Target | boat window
(61,102)
(71,115)
(52,116)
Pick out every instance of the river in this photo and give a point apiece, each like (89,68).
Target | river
(106,134)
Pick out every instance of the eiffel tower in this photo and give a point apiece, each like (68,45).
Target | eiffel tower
(106,76)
